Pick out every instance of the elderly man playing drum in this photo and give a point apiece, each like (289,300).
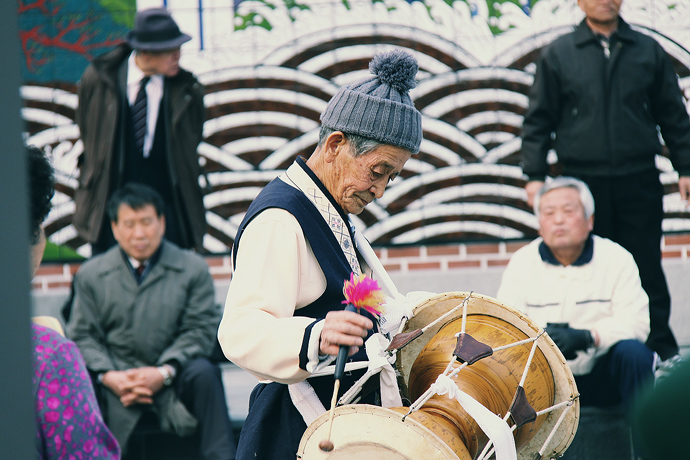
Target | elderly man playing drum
(284,318)
(585,290)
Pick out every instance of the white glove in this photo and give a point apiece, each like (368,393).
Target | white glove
(400,308)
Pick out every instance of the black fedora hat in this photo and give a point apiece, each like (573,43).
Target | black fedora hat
(155,30)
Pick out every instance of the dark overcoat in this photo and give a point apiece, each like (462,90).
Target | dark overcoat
(101,116)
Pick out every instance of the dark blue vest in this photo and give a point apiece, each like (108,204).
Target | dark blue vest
(336,268)
(274,427)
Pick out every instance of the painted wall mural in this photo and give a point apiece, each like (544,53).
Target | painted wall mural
(270,67)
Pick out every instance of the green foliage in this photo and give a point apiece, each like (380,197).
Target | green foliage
(121,11)
(251,19)
(54,253)
(290,4)
(256,19)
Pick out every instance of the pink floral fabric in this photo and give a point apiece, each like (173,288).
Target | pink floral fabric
(68,421)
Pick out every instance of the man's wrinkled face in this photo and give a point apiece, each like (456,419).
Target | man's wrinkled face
(562,221)
(139,231)
(357,181)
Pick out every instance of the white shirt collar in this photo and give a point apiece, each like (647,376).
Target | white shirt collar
(135,263)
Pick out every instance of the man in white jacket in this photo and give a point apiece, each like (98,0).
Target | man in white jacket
(586,291)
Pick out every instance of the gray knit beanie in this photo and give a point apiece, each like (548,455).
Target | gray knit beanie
(380,107)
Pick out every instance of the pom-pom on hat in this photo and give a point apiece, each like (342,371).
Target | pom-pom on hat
(380,107)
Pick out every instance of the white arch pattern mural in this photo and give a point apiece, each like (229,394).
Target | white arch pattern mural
(266,86)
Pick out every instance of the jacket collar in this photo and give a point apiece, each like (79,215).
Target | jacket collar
(584,258)
(584,35)
(148,264)
(303,164)
(108,65)
(169,259)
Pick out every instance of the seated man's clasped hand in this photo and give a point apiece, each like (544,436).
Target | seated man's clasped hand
(134,386)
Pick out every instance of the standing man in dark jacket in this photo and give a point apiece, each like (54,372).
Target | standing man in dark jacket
(603,90)
(148,138)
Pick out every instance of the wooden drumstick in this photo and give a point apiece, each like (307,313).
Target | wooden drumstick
(326,445)
(359,292)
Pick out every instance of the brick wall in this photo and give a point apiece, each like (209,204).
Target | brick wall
(57,277)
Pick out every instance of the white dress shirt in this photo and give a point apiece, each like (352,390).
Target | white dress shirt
(154,94)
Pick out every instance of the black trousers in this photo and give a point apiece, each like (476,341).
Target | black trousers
(273,428)
(200,388)
(629,210)
(618,377)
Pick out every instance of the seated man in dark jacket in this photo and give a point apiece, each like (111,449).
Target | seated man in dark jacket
(145,318)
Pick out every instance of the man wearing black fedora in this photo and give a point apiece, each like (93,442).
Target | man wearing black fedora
(141,118)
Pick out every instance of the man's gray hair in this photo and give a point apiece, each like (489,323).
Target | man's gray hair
(360,145)
(586,197)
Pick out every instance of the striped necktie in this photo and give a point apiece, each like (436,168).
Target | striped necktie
(140,272)
(139,116)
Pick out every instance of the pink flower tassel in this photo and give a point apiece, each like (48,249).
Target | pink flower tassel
(364,292)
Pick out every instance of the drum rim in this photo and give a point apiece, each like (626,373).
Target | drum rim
(309,443)
(558,364)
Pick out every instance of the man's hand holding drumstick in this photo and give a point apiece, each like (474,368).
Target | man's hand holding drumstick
(344,331)
(346,328)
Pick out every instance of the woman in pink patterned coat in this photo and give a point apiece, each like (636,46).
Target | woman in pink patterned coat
(68,421)
(69,424)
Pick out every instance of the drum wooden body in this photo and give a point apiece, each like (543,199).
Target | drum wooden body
(441,428)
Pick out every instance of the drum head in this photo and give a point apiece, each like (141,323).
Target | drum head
(366,432)
(563,381)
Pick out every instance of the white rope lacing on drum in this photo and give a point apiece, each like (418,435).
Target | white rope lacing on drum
(462,304)
(378,362)
(556,426)
(429,393)
(452,372)
(568,403)
(515,344)
(494,427)
(529,360)
(440,387)
(488,422)
(374,368)
(488,449)
(488,446)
